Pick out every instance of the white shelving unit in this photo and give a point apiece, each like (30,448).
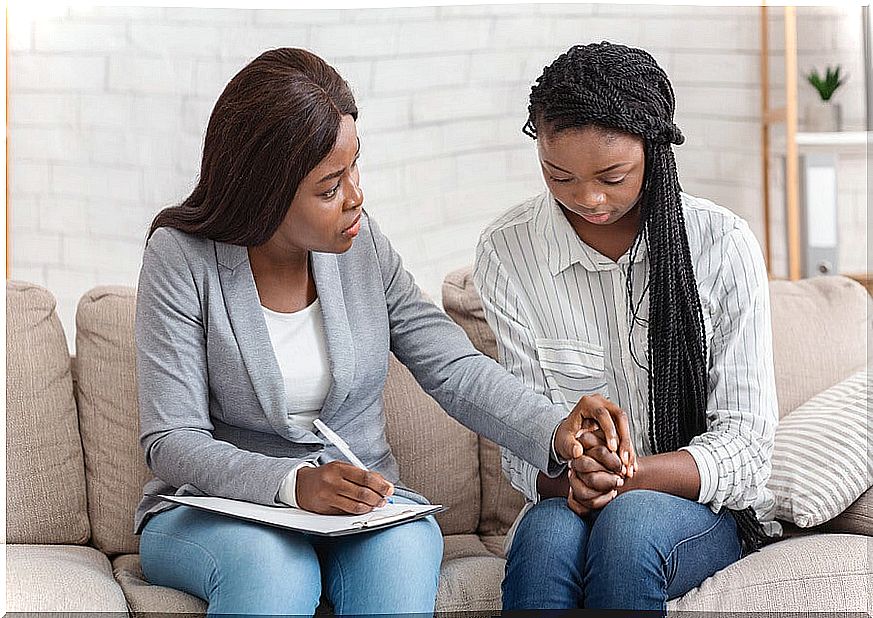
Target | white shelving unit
(796,143)
(842,140)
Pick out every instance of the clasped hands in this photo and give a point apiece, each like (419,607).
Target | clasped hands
(595,439)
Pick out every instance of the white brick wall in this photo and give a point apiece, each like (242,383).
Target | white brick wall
(109,105)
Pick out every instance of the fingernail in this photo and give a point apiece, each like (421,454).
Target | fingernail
(579,433)
(613,444)
(577,451)
(624,470)
(619,482)
(625,457)
(614,493)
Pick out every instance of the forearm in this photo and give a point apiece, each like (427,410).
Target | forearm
(672,473)
(215,467)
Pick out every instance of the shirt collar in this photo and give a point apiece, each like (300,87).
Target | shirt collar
(564,247)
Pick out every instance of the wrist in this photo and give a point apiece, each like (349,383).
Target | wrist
(289,493)
(556,457)
(548,487)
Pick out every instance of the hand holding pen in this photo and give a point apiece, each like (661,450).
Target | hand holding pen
(338,488)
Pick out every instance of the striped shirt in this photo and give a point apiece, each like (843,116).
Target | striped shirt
(561,316)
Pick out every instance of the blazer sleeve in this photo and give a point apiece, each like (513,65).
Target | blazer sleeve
(471,387)
(173,384)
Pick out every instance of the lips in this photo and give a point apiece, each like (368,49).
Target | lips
(354,228)
(595,217)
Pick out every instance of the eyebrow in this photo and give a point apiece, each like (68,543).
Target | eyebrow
(603,171)
(339,173)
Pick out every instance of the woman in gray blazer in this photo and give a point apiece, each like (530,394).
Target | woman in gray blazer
(269,298)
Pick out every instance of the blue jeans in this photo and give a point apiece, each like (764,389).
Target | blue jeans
(643,548)
(245,568)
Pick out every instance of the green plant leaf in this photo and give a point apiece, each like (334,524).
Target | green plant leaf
(828,85)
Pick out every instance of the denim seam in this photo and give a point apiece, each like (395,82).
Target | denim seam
(206,551)
(339,607)
(690,538)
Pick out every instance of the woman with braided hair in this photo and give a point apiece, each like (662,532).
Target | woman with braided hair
(615,287)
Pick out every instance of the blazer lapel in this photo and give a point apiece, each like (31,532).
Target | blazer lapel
(250,330)
(340,345)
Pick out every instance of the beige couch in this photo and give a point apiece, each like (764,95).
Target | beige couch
(74,468)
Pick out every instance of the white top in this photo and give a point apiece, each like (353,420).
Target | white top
(560,313)
(301,350)
(300,346)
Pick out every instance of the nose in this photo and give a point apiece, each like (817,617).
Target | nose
(355,195)
(590,198)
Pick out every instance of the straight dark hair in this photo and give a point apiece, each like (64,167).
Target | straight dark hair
(273,123)
(619,87)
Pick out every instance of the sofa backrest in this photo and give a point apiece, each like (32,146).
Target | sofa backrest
(437,456)
(108,415)
(820,331)
(819,338)
(45,471)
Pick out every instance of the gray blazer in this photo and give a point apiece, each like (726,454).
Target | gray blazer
(213,410)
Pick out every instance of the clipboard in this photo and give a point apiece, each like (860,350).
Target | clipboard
(307,522)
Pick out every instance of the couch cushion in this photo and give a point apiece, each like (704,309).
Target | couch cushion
(470,579)
(470,576)
(827,573)
(437,456)
(145,599)
(45,482)
(495,544)
(60,578)
(819,335)
(109,416)
(462,303)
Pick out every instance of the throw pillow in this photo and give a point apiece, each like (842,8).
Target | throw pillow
(821,463)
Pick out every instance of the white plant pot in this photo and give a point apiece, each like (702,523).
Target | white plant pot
(823,117)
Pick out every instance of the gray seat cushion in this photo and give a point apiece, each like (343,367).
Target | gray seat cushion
(828,573)
(60,578)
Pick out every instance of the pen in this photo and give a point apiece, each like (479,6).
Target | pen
(338,442)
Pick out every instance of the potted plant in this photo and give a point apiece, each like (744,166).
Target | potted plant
(825,115)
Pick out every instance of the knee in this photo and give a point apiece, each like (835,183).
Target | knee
(261,547)
(393,571)
(550,529)
(632,518)
(626,532)
(259,559)
(415,542)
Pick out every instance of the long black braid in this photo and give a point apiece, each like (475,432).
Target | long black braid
(619,87)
